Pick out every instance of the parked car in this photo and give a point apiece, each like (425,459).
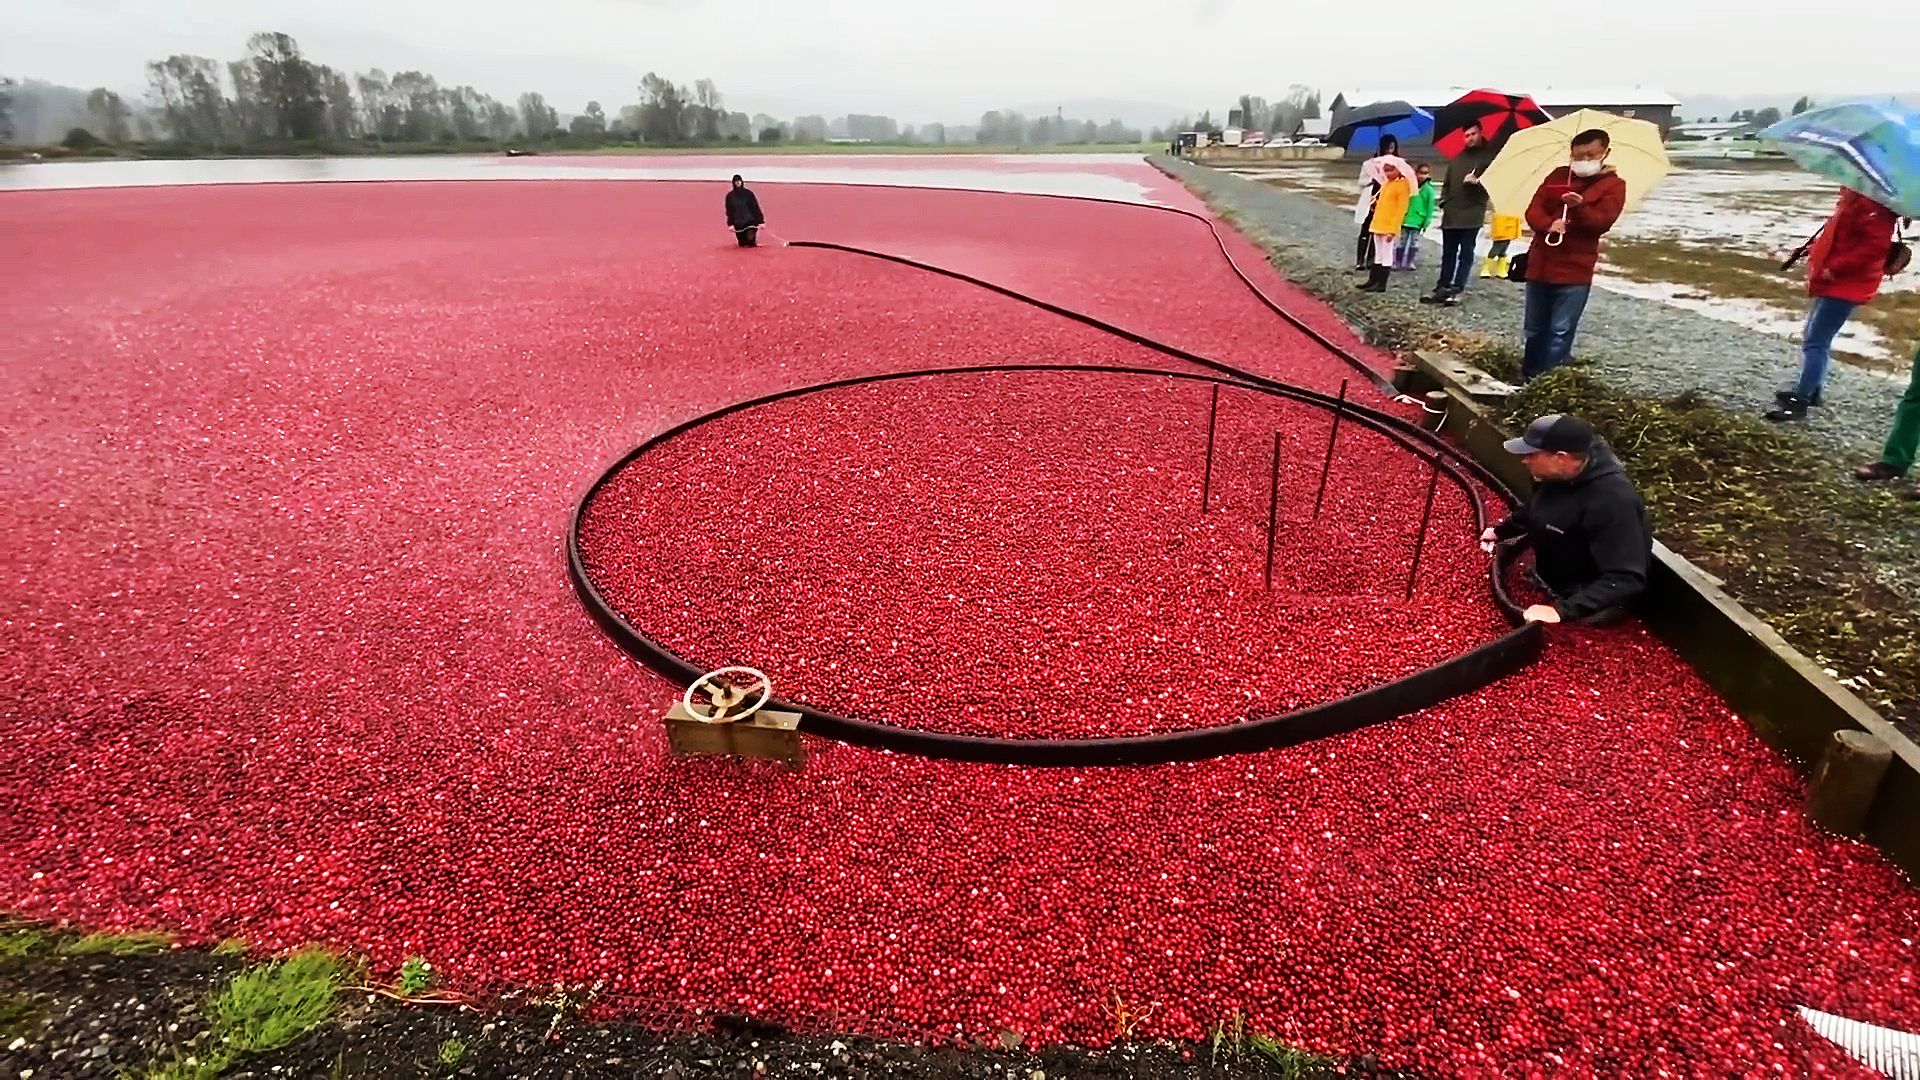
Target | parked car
(1308,140)
(1281,141)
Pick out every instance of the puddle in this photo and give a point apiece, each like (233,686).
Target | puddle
(1856,338)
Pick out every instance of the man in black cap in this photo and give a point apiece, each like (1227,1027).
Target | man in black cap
(743,213)
(1587,525)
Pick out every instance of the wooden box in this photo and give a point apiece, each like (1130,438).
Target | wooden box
(768,734)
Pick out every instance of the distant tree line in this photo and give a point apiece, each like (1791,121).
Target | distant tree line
(1253,113)
(275,96)
(1004,127)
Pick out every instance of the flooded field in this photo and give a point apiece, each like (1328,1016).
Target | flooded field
(1709,240)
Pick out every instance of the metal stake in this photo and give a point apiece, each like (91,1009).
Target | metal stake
(1426,516)
(1213,417)
(1339,409)
(1273,507)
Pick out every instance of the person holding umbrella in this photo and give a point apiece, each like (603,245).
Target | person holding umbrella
(1389,212)
(1572,209)
(1469,131)
(1370,180)
(1850,256)
(1463,209)
(1574,176)
(1382,124)
(1873,149)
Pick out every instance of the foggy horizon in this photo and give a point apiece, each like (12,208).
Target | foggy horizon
(1144,58)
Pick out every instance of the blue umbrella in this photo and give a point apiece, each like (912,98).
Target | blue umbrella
(1872,147)
(1364,126)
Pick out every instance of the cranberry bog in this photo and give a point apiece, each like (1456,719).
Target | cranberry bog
(293,653)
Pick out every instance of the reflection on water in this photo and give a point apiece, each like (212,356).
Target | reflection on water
(1098,175)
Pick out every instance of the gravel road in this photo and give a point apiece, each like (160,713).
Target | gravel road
(1637,345)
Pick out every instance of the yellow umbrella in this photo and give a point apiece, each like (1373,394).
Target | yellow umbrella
(1524,162)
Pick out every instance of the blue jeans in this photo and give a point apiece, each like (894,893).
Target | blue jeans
(1553,314)
(1824,320)
(1456,258)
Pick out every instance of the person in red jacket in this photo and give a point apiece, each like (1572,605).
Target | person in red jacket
(1574,207)
(1848,262)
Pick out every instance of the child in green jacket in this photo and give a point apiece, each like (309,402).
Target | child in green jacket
(1419,216)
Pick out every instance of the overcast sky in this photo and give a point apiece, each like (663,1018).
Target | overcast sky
(922,61)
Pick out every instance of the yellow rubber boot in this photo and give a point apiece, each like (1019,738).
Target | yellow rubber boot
(1500,266)
(1486,266)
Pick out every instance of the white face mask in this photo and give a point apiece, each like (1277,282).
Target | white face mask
(1588,168)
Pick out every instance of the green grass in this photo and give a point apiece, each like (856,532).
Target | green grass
(1235,1039)
(270,1006)
(416,977)
(129,944)
(24,941)
(452,1053)
(232,946)
(1289,1062)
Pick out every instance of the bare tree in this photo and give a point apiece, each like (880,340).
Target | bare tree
(109,114)
(500,121)
(341,116)
(422,109)
(663,108)
(277,91)
(537,119)
(708,112)
(380,113)
(188,92)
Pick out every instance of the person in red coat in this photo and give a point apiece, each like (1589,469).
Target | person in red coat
(1572,209)
(1848,262)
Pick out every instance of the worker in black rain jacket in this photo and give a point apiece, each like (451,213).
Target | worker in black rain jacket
(743,213)
(1585,522)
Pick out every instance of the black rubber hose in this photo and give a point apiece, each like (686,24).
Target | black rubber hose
(1423,689)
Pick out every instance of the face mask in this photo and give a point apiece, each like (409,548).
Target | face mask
(1588,168)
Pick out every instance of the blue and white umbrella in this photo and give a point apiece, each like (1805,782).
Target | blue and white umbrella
(1872,147)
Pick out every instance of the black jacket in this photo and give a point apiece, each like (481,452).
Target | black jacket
(743,210)
(1464,205)
(1590,536)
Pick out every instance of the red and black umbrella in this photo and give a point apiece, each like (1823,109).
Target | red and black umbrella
(1496,114)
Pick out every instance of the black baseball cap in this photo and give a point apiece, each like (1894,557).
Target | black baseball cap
(1554,433)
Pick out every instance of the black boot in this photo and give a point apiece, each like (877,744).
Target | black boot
(1783,396)
(1376,280)
(1792,407)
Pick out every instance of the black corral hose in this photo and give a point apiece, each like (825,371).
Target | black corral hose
(1423,689)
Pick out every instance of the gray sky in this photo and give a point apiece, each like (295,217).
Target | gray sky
(949,61)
